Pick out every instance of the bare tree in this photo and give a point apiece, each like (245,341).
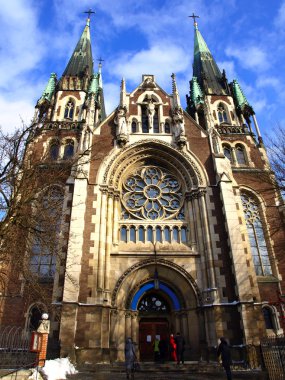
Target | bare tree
(276,153)
(30,213)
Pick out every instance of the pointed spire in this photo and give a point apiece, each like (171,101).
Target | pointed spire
(239,96)
(49,90)
(123,94)
(175,93)
(196,94)
(205,68)
(81,61)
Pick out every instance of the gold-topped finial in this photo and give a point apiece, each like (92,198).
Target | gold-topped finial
(194,18)
(89,12)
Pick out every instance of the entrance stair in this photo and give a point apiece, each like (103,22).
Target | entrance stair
(166,371)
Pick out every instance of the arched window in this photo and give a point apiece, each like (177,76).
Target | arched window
(184,234)
(152,302)
(145,126)
(46,233)
(256,235)
(141,234)
(222,114)
(268,318)
(54,150)
(240,155)
(155,122)
(134,127)
(167,127)
(35,316)
(69,110)
(68,150)
(133,234)
(175,234)
(124,234)
(158,234)
(228,153)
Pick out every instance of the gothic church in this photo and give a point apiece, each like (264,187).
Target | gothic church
(167,223)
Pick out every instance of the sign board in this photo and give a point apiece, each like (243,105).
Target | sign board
(36,342)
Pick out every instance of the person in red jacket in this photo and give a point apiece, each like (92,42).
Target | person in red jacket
(172,344)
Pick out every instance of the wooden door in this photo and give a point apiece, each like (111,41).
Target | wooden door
(149,329)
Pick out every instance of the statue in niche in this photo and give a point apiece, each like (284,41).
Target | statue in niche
(178,122)
(121,123)
(150,112)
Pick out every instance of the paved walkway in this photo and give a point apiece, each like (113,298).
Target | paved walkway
(237,375)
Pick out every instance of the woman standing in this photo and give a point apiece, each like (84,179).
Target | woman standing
(173,346)
(130,357)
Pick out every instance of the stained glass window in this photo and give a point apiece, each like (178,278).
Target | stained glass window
(153,303)
(152,193)
(256,236)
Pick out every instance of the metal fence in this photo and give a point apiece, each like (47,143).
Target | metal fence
(15,348)
(273,352)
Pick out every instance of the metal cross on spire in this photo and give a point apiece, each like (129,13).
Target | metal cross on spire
(89,12)
(100,60)
(194,18)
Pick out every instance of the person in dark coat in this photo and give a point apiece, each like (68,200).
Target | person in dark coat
(180,347)
(224,351)
(130,357)
(162,350)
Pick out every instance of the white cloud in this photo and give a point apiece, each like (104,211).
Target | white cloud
(250,57)
(20,40)
(229,67)
(13,113)
(157,60)
(280,19)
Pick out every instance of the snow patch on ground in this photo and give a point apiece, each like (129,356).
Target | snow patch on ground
(57,369)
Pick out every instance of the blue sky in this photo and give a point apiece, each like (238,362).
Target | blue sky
(246,37)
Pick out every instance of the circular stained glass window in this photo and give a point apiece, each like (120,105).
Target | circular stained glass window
(153,193)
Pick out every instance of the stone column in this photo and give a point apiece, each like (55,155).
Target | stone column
(207,240)
(116,218)
(108,241)
(128,324)
(192,231)
(135,327)
(102,235)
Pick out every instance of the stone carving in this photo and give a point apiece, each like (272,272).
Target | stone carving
(121,123)
(178,126)
(150,113)
(163,262)
(178,122)
(139,147)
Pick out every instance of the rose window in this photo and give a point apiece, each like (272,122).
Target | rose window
(152,193)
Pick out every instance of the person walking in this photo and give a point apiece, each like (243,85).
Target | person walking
(224,351)
(156,349)
(130,358)
(180,347)
(162,350)
(172,344)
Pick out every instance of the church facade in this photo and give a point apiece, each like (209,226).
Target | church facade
(168,223)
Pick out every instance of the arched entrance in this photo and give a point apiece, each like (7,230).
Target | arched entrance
(155,304)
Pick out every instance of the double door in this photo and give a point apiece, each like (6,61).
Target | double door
(149,329)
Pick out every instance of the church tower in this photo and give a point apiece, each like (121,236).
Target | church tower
(169,221)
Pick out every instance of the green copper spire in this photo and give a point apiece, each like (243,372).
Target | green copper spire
(49,90)
(238,95)
(81,61)
(96,89)
(196,94)
(205,68)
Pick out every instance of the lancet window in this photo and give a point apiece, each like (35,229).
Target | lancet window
(228,153)
(46,233)
(69,110)
(256,236)
(54,150)
(222,114)
(240,155)
(68,150)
